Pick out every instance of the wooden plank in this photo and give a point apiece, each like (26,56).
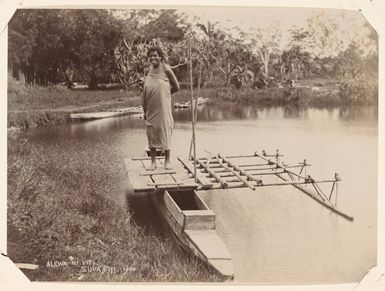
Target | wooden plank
(209,243)
(199,201)
(173,208)
(139,183)
(158,171)
(160,205)
(200,178)
(164,181)
(134,166)
(147,158)
(182,176)
(199,219)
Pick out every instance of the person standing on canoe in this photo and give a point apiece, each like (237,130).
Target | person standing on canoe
(159,83)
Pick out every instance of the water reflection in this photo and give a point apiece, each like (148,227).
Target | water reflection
(358,113)
(101,125)
(217,113)
(294,111)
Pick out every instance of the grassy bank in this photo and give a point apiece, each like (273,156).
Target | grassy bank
(68,214)
(36,106)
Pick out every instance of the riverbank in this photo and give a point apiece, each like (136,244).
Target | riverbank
(39,106)
(64,220)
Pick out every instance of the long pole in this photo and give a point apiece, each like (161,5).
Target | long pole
(192,111)
(196,105)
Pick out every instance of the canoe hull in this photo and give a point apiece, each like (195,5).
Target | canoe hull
(194,229)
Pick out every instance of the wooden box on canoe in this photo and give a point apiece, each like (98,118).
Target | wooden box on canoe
(189,210)
(193,225)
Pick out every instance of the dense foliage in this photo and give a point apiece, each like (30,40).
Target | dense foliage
(107,46)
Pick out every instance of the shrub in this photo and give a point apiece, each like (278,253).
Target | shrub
(359,90)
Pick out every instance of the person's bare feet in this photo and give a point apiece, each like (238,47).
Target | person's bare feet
(167,165)
(152,167)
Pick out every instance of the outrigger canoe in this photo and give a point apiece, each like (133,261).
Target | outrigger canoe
(191,221)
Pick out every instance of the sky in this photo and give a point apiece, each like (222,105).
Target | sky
(350,23)
(260,17)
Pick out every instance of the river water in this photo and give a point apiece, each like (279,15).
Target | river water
(276,234)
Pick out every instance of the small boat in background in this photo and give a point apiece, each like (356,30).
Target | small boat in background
(181,105)
(200,101)
(106,114)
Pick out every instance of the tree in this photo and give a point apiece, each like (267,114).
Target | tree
(98,35)
(130,60)
(37,45)
(210,31)
(235,59)
(47,46)
(265,42)
(167,26)
(294,61)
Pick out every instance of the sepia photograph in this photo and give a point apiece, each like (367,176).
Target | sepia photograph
(192,144)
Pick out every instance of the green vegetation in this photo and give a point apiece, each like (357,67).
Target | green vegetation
(109,46)
(58,210)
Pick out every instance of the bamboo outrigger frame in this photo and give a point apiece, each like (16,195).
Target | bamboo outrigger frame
(223,173)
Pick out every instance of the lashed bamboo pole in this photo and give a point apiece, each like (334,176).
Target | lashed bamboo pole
(243,180)
(215,164)
(232,180)
(229,174)
(212,173)
(235,183)
(278,165)
(194,107)
(250,177)
(192,111)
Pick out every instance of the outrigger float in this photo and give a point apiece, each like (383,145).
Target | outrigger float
(176,194)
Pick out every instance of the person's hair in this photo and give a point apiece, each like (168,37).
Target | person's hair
(156,49)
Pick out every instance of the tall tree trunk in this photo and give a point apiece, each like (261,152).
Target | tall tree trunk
(228,74)
(93,82)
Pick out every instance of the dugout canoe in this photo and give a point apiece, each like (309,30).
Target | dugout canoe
(106,114)
(193,225)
